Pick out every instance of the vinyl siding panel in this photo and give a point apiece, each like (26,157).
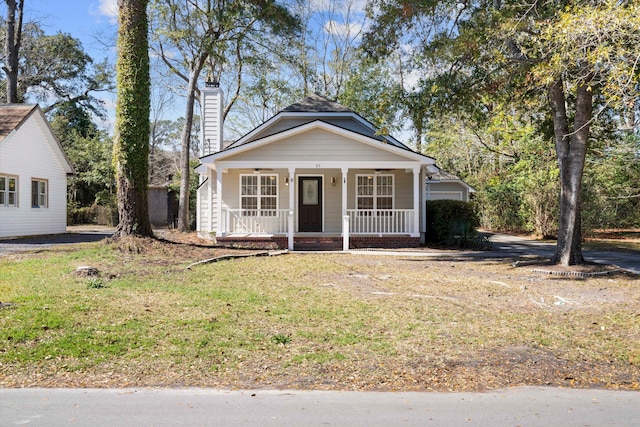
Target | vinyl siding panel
(447,190)
(402,187)
(317,144)
(332,195)
(203,208)
(28,154)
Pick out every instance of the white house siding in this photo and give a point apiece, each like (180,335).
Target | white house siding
(403,190)
(28,154)
(447,191)
(317,144)
(204,221)
(332,195)
(403,187)
(333,202)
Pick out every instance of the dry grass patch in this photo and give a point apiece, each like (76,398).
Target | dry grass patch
(310,321)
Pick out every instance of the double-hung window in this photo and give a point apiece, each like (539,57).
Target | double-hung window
(374,192)
(8,191)
(38,193)
(259,195)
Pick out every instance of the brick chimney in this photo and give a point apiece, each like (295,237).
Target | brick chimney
(211,99)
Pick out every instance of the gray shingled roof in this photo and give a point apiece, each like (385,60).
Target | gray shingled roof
(443,175)
(317,104)
(12,116)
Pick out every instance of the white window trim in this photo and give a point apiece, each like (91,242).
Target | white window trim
(6,204)
(375,190)
(259,195)
(46,193)
(458,193)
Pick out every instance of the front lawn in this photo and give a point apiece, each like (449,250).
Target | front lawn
(323,321)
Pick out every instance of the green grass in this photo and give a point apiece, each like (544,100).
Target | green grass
(335,321)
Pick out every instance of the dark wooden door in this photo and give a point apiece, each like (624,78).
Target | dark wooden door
(309,203)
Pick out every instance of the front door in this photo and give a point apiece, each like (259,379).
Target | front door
(310,203)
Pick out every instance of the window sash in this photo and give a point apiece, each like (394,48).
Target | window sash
(374,192)
(259,195)
(38,193)
(8,191)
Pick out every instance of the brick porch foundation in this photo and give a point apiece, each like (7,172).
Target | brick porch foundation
(319,243)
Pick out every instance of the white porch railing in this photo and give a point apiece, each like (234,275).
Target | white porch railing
(258,221)
(381,221)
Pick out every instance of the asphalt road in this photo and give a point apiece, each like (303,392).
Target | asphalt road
(528,406)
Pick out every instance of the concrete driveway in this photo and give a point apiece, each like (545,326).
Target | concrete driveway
(75,234)
(515,245)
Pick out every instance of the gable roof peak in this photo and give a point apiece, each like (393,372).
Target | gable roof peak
(12,116)
(317,103)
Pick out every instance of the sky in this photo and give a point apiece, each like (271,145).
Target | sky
(94,23)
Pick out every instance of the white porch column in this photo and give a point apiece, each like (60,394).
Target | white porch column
(423,205)
(345,214)
(291,217)
(416,202)
(345,233)
(345,171)
(221,228)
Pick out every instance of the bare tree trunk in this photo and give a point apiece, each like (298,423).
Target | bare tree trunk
(12,48)
(185,150)
(571,149)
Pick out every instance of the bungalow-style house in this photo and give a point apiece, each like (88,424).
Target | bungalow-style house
(33,174)
(315,174)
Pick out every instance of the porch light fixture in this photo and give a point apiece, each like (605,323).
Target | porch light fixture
(333,181)
(286,180)
(256,170)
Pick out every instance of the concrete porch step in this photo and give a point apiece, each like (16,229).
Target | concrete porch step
(317,243)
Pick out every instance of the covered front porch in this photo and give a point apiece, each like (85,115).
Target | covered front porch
(336,206)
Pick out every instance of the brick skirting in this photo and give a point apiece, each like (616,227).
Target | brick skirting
(320,242)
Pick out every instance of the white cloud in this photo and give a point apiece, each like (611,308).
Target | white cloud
(108,8)
(349,30)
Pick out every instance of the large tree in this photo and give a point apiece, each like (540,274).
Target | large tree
(13,39)
(53,70)
(131,145)
(575,53)
(194,34)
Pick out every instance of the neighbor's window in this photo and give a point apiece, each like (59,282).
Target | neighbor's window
(259,195)
(8,191)
(38,193)
(374,192)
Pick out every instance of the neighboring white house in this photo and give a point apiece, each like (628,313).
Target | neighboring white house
(315,173)
(33,174)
